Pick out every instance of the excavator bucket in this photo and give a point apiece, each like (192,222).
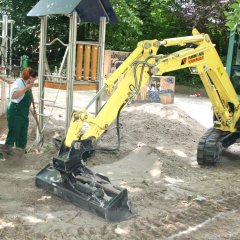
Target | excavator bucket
(92,192)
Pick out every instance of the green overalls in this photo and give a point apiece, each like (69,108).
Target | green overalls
(17,118)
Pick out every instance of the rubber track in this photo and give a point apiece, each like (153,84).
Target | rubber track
(209,147)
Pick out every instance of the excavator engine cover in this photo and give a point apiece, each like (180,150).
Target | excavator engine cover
(92,192)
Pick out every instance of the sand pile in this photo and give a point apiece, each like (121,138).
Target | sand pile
(174,197)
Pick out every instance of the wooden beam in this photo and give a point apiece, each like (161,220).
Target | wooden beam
(76,87)
(94,63)
(79,62)
(87,52)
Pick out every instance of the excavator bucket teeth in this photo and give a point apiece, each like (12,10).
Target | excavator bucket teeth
(106,201)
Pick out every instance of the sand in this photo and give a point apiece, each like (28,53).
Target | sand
(174,197)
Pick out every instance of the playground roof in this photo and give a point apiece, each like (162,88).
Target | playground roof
(88,10)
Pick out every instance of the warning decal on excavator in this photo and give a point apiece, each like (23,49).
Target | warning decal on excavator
(193,58)
(196,57)
(184,60)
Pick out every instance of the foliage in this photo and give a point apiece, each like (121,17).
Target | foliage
(233,16)
(207,17)
(138,20)
(152,19)
(26,30)
(124,36)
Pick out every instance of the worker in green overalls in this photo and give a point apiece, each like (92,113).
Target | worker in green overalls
(18,109)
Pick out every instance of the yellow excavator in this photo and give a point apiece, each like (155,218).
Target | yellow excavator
(68,176)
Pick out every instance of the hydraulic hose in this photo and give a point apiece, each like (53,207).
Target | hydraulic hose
(118,133)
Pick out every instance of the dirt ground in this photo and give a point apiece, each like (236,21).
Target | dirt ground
(173,196)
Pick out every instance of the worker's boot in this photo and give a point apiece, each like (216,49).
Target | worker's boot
(2,158)
(18,152)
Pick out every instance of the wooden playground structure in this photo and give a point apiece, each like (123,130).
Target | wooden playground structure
(86,70)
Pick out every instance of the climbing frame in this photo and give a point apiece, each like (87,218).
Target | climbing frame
(87,72)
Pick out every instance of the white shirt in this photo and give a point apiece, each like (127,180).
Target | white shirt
(17,85)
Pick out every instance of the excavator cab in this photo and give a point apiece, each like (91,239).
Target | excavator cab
(212,143)
(233,60)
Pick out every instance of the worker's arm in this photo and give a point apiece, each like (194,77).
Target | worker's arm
(20,92)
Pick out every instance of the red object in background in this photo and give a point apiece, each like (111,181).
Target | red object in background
(196,95)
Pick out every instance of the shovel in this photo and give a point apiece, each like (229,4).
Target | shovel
(39,144)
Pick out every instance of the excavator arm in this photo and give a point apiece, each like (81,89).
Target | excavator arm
(123,86)
(205,61)
(67,175)
(136,71)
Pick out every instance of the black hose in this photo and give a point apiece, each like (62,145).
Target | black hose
(144,63)
(118,133)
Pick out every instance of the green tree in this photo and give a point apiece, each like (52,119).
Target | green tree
(208,17)
(149,19)
(125,34)
(26,31)
(138,20)
(233,16)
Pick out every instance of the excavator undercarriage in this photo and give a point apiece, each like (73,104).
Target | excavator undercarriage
(211,145)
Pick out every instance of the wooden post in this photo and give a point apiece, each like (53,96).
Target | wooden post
(79,62)
(87,51)
(107,63)
(94,63)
